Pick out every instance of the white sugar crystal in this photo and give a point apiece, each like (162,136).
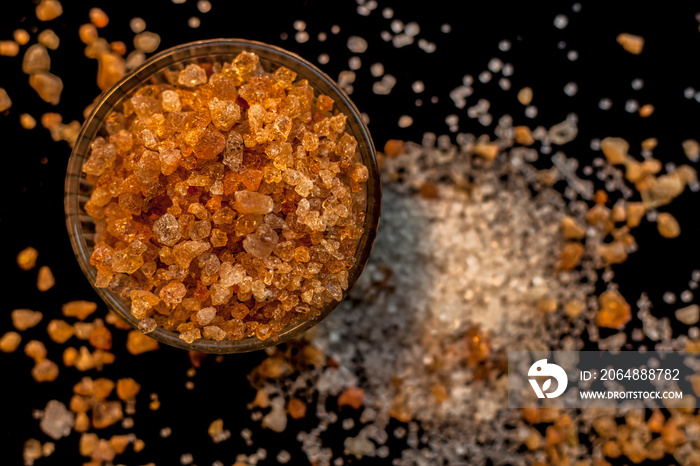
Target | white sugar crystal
(57,421)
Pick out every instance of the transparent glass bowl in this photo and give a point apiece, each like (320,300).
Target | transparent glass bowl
(81,227)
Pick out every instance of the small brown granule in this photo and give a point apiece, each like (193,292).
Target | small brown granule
(574,308)
(154,405)
(21,36)
(106,413)
(98,17)
(112,319)
(635,213)
(571,255)
(48,86)
(23,319)
(35,350)
(9,48)
(296,408)
(600,197)
(45,279)
(691,149)
(651,166)
(83,360)
(127,389)
(138,445)
(70,356)
(45,371)
(101,338)
(119,443)
(612,253)
(59,331)
(88,33)
(86,387)
(147,41)
(571,229)
(49,39)
(615,150)
(48,10)
(668,225)
(523,135)
(102,388)
(88,444)
(353,397)
(118,47)
(261,400)
(274,368)
(26,259)
(631,43)
(83,330)
(27,121)
(10,341)
(548,304)
(525,96)
(619,212)
(51,120)
(48,448)
(5,101)
(393,148)
(646,110)
(138,343)
(113,67)
(439,392)
(487,150)
(31,451)
(614,311)
(215,429)
(650,143)
(79,309)
(103,452)
(400,411)
(36,59)
(314,356)
(272,230)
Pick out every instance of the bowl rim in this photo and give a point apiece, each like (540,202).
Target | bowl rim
(190,52)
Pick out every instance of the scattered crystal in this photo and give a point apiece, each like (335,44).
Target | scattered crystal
(23,319)
(138,343)
(36,59)
(26,259)
(668,225)
(8,48)
(10,341)
(631,43)
(48,86)
(147,42)
(48,10)
(689,315)
(59,331)
(57,421)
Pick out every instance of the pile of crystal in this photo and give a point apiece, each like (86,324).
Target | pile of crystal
(228,201)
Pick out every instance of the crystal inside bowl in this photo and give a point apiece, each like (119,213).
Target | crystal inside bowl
(82,227)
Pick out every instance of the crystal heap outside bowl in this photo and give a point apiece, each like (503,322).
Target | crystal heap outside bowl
(81,227)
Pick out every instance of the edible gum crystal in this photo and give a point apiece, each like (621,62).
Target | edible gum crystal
(228,203)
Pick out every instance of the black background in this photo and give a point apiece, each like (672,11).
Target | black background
(33,167)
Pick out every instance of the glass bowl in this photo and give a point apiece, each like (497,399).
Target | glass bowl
(81,227)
